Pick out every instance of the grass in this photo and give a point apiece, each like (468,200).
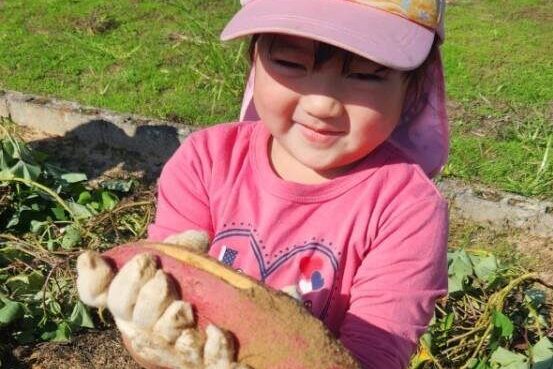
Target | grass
(500,50)
(156,58)
(499,72)
(163,59)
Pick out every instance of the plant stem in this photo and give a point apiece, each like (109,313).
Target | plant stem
(464,335)
(45,189)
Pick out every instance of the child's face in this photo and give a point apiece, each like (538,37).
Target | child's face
(323,118)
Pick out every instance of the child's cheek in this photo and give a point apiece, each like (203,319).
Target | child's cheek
(274,101)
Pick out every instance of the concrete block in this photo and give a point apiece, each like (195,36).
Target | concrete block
(499,209)
(130,132)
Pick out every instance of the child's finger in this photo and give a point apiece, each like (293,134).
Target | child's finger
(150,349)
(128,328)
(93,278)
(174,320)
(218,349)
(191,240)
(189,348)
(126,285)
(154,297)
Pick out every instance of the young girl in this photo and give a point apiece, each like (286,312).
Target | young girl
(327,195)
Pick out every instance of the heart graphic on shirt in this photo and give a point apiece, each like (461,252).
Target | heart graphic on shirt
(303,265)
(317,280)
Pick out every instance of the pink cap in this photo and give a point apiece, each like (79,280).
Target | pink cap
(394,33)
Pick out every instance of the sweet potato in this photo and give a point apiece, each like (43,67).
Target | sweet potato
(271,329)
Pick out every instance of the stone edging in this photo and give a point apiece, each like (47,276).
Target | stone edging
(131,132)
(501,210)
(157,138)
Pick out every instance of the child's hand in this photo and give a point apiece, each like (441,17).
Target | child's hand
(157,328)
(191,240)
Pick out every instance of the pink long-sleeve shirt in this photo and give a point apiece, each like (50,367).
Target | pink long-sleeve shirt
(365,252)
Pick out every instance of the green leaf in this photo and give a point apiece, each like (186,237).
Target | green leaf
(503,323)
(10,148)
(118,185)
(10,254)
(426,339)
(505,359)
(455,284)
(542,354)
(18,150)
(109,201)
(74,177)
(6,175)
(10,311)
(80,316)
(39,156)
(59,213)
(447,321)
(84,198)
(486,268)
(5,160)
(535,297)
(460,268)
(14,220)
(37,226)
(35,206)
(24,170)
(54,307)
(80,211)
(50,245)
(61,334)
(29,283)
(71,237)
(477,364)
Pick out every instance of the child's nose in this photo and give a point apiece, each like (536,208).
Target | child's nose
(322,106)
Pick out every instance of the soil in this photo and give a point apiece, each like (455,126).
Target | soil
(92,349)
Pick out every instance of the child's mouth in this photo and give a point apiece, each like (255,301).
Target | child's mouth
(319,136)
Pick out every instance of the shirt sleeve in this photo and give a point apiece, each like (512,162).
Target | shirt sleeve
(396,286)
(182,199)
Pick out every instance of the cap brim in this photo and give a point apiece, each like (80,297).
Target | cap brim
(380,36)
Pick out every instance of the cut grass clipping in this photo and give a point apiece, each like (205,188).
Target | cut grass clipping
(496,316)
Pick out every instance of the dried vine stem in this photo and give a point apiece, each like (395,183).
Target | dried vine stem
(497,300)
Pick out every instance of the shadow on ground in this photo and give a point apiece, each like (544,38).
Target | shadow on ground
(101,149)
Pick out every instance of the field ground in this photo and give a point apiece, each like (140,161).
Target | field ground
(163,59)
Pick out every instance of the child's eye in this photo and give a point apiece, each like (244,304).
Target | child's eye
(290,64)
(365,76)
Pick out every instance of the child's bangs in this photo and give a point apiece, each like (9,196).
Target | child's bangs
(323,52)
